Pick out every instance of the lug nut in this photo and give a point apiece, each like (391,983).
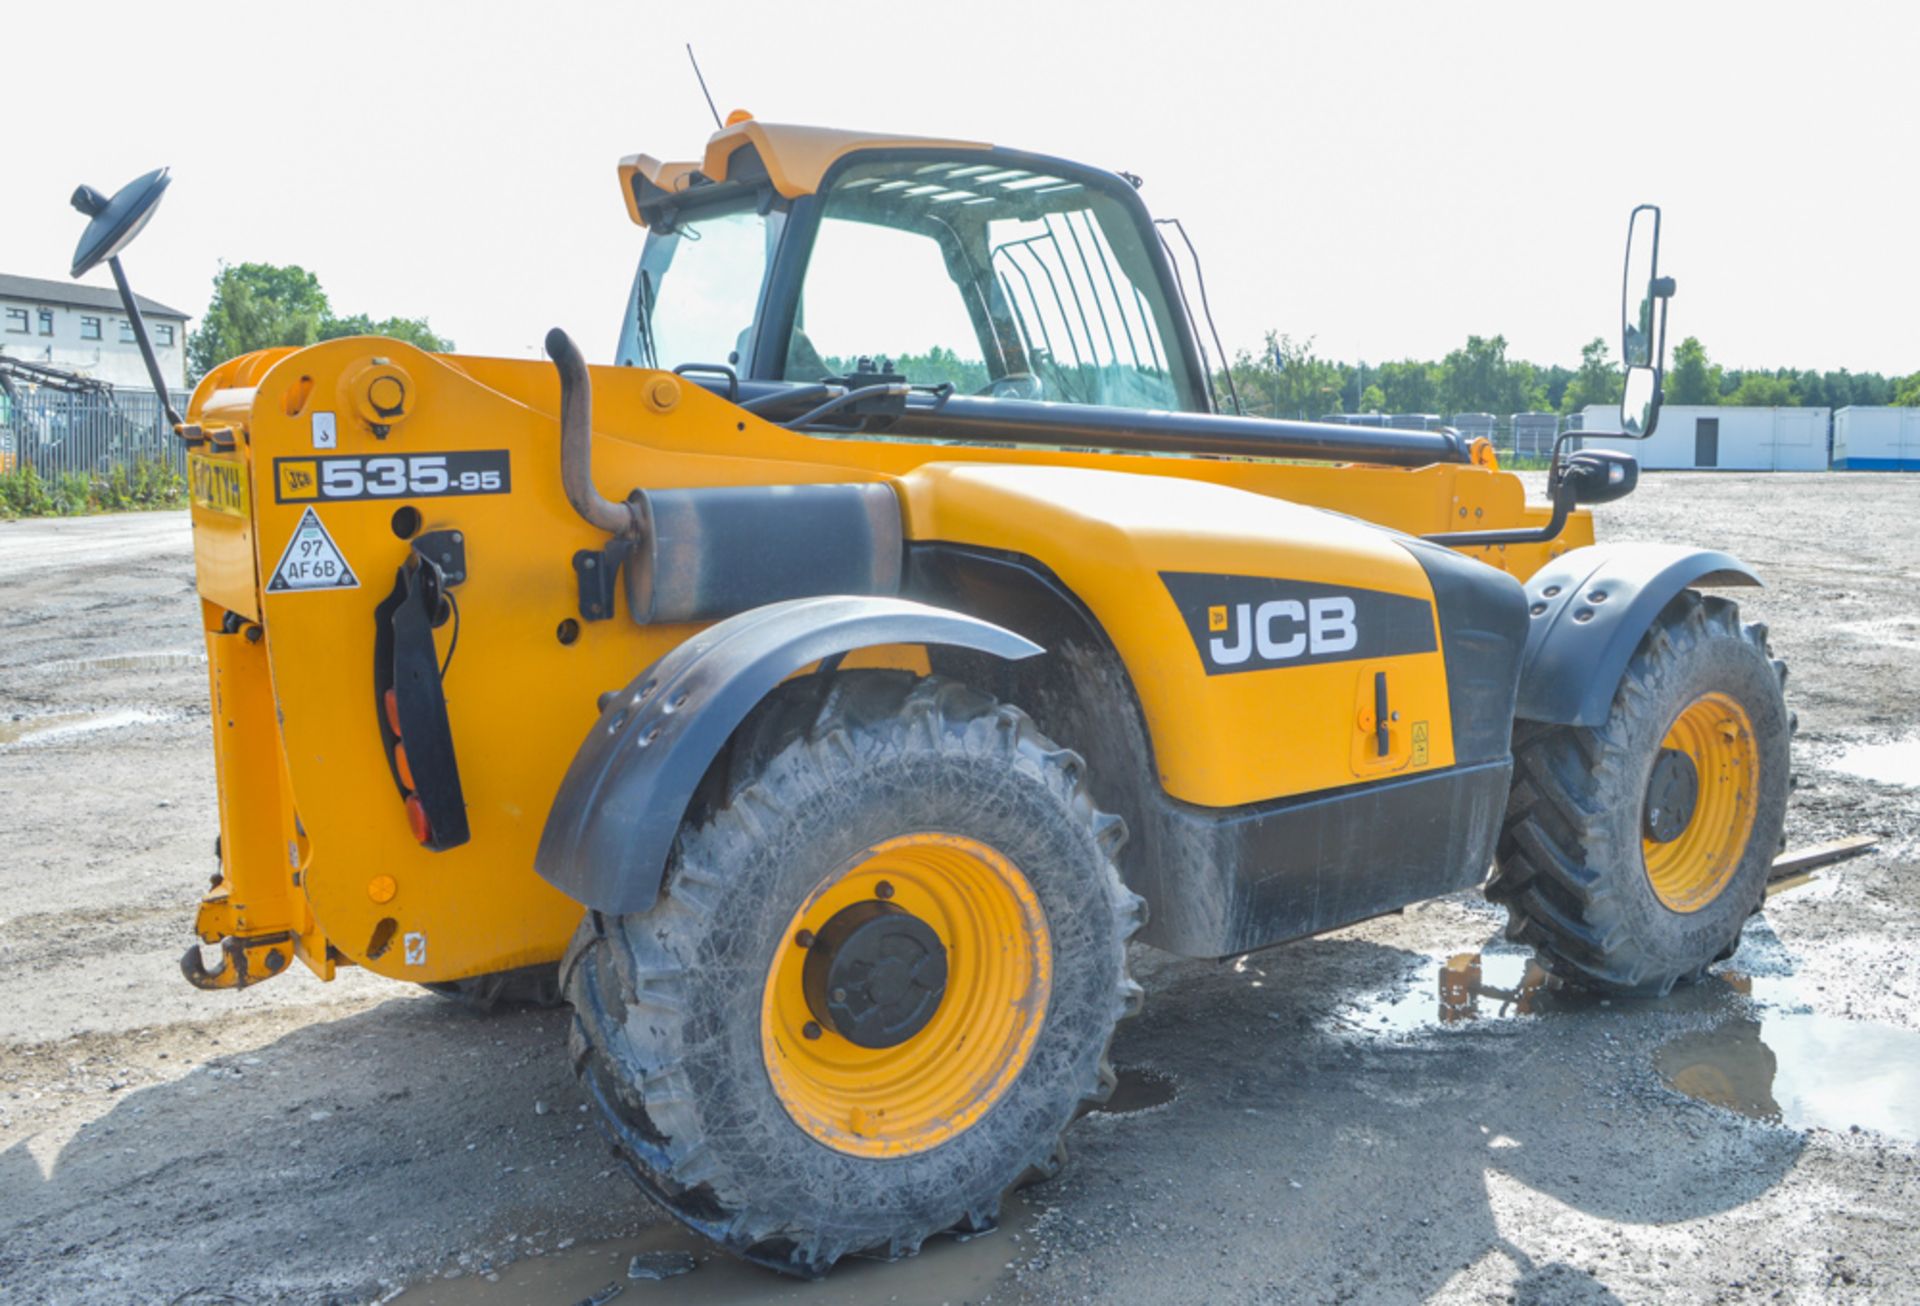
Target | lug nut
(811,1029)
(883,889)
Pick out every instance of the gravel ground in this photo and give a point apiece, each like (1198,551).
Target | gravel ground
(307,1142)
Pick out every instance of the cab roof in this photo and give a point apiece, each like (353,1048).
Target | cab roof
(792,158)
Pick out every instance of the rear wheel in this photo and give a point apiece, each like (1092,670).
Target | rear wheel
(1632,855)
(881,981)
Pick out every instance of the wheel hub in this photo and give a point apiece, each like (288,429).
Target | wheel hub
(875,974)
(1673,789)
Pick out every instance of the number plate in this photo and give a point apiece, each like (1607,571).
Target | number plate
(390,476)
(218,484)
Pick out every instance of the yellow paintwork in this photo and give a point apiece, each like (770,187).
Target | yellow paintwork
(1689,871)
(796,157)
(901,1100)
(520,701)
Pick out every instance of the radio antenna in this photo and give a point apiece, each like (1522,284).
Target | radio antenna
(703,86)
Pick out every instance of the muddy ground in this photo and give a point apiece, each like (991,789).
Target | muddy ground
(1326,1139)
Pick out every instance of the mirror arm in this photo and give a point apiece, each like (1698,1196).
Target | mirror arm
(132,306)
(1565,495)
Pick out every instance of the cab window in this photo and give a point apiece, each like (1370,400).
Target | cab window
(998,280)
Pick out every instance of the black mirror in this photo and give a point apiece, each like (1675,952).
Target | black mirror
(1643,323)
(115,222)
(1600,475)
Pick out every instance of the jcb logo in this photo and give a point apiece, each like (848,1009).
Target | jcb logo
(1283,629)
(1259,623)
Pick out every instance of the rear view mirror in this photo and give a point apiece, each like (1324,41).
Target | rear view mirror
(1643,324)
(1640,402)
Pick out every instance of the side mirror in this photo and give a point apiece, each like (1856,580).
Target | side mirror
(115,222)
(1643,323)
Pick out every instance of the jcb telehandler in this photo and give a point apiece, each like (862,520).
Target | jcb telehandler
(832,714)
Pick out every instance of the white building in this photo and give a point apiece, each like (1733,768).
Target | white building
(83,329)
(1735,439)
(1877,439)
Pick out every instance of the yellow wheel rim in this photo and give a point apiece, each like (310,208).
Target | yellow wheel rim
(1689,870)
(918,1094)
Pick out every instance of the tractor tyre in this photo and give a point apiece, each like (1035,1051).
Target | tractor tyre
(527,986)
(880,981)
(1632,855)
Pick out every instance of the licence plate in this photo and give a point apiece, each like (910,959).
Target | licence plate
(217,484)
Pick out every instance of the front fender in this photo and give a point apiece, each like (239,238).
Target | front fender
(613,822)
(1588,610)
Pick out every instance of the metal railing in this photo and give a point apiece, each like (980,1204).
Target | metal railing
(89,433)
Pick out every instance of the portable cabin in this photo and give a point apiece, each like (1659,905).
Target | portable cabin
(1876,439)
(1706,437)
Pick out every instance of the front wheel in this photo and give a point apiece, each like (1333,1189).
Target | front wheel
(1632,855)
(881,981)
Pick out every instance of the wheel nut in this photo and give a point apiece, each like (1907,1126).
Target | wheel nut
(883,890)
(804,939)
(811,1029)
(839,995)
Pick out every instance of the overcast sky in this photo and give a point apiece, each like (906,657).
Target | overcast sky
(1387,178)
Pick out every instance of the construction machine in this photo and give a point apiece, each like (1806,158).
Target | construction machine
(821,695)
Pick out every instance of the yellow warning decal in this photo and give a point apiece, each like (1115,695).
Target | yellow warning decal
(1419,743)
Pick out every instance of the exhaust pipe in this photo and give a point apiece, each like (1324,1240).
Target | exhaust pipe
(576,444)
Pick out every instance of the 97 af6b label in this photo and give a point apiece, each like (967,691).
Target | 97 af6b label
(346,477)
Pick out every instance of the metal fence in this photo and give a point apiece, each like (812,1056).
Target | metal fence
(91,433)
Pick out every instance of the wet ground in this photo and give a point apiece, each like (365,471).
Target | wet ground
(1394,1112)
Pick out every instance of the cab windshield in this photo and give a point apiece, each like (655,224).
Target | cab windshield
(1004,281)
(697,294)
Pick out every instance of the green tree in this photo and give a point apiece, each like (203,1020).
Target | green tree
(1597,382)
(413,330)
(264,305)
(1906,392)
(1692,379)
(1373,400)
(1758,390)
(1410,386)
(257,306)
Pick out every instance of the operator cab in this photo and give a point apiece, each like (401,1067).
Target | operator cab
(994,272)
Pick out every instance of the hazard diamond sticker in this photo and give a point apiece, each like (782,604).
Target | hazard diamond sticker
(312,561)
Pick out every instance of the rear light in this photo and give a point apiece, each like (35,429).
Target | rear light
(417,819)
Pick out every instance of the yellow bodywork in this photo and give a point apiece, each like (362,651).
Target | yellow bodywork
(316,843)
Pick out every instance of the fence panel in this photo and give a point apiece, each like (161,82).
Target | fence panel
(90,433)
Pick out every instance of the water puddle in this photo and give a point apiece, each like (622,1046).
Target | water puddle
(69,725)
(1473,986)
(946,1270)
(1138,1090)
(1895,763)
(1803,1070)
(154,660)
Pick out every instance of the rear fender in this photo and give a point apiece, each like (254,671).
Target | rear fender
(619,808)
(1589,609)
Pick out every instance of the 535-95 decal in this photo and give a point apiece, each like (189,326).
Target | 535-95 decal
(346,477)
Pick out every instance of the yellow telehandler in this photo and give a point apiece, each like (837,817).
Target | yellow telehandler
(821,696)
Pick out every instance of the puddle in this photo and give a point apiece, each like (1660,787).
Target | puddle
(1896,763)
(946,1270)
(1803,1070)
(1472,986)
(68,725)
(1138,1090)
(156,660)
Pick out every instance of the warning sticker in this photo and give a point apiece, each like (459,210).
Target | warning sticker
(312,561)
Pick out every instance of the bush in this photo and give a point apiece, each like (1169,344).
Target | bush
(144,483)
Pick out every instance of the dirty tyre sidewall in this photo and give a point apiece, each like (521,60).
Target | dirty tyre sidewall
(682,985)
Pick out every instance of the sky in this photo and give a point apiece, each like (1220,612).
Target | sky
(1384,178)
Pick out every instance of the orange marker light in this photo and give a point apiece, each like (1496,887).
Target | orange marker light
(400,765)
(737,117)
(390,701)
(417,819)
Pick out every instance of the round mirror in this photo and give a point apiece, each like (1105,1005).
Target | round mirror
(1637,402)
(115,221)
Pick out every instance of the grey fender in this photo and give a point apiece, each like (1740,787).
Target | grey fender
(1588,610)
(613,822)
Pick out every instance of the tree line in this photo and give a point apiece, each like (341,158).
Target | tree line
(265,305)
(1287,378)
